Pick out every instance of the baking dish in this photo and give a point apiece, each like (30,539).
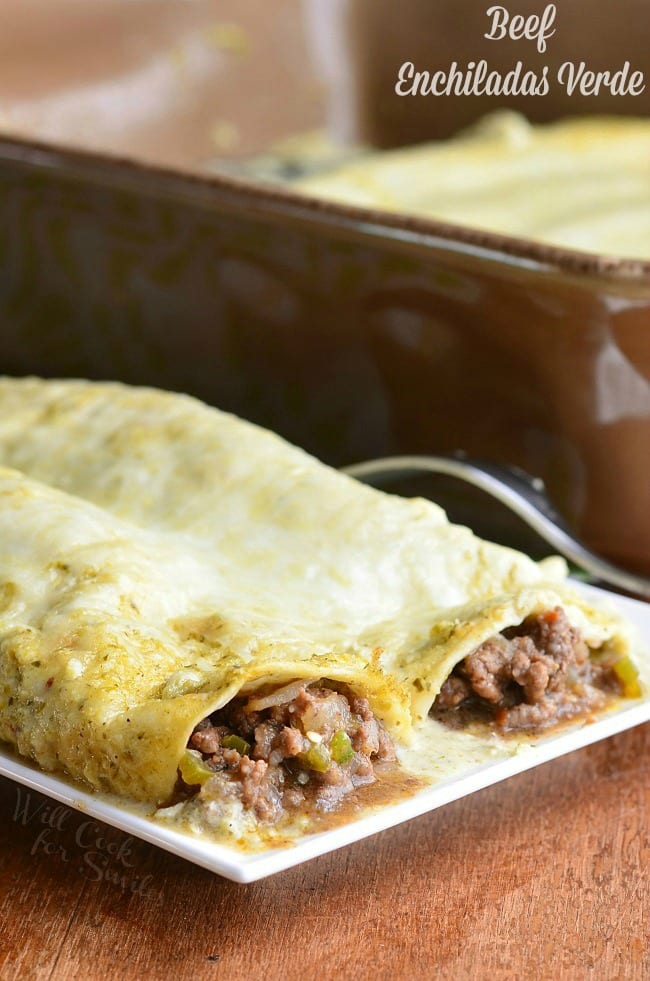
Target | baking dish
(352,332)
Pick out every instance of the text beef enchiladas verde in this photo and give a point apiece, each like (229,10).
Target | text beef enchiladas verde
(198,616)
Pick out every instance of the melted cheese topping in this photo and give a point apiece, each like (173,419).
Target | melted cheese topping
(582,183)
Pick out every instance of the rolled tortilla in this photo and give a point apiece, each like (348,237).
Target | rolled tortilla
(115,643)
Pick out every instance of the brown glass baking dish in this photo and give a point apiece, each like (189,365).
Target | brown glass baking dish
(354,333)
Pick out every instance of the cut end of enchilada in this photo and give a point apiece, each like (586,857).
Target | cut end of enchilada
(534,676)
(524,663)
(302,746)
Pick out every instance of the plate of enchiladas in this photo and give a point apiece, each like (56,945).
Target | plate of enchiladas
(213,641)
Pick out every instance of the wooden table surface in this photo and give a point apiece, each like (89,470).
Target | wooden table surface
(544,876)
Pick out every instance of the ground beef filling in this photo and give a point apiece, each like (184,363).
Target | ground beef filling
(303,745)
(528,677)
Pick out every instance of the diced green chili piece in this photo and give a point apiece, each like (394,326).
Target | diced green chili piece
(317,758)
(341,747)
(626,672)
(193,768)
(236,742)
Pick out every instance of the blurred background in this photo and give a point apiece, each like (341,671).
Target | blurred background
(185,82)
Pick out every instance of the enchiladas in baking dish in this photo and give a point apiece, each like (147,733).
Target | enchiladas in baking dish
(581,183)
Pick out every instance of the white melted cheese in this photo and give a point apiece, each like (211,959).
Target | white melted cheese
(583,183)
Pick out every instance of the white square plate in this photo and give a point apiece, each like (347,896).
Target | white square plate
(242,867)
